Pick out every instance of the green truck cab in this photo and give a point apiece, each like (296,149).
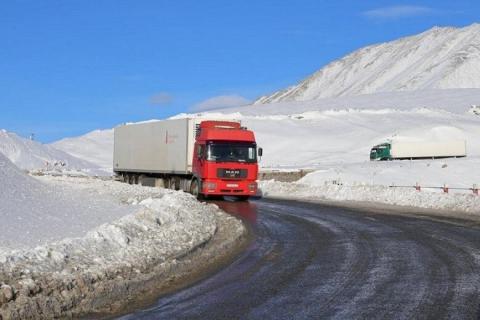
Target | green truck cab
(381,152)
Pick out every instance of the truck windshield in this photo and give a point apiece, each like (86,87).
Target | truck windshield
(232,152)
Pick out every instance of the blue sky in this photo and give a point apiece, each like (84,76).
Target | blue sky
(69,67)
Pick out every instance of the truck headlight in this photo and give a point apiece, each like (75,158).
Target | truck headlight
(211,185)
(252,186)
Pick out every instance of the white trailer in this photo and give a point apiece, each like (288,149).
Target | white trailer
(428,149)
(403,149)
(155,147)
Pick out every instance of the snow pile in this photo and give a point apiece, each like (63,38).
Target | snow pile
(34,213)
(30,155)
(459,173)
(408,197)
(95,147)
(161,228)
(76,244)
(440,58)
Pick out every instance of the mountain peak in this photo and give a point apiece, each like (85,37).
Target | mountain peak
(439,58)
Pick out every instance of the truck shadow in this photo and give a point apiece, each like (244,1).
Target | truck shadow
(245,210)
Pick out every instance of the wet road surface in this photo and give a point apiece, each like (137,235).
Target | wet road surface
(311,261)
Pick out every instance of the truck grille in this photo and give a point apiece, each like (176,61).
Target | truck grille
(232,173)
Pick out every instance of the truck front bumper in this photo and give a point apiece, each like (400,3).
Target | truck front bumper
(229,187)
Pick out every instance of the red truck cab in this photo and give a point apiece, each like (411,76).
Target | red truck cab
(224,160)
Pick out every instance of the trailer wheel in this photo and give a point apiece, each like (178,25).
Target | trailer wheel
(195,189)
(172,183)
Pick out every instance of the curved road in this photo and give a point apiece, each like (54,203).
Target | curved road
(311,261)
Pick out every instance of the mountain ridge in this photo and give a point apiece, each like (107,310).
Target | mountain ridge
(439,58)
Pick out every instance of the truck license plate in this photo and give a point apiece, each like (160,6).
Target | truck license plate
(232,185)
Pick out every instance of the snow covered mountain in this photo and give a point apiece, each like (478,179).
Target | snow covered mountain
(29,155)
(440,58)
(95,147)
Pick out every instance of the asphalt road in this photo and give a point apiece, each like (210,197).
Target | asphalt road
(312,261)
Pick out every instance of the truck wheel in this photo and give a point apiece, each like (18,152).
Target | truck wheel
(195,189)
(172,184)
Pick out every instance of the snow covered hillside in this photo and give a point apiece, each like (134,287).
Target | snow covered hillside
(95,147)
(29,155)
(439,58)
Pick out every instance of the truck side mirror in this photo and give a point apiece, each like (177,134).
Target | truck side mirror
(260,152)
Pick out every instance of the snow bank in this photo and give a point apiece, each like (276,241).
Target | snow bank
(34,213)
(458,202)
(67,241)
(459,173)
(169,225)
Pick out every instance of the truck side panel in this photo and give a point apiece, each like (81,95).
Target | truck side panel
(455,148)
(155,147)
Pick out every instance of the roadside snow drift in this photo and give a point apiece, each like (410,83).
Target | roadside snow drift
(72,245)
(467,204)
(33,213)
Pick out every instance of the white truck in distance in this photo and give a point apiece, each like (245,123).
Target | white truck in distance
(399,149)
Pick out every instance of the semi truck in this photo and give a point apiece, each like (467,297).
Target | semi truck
(204,157)
(399,149)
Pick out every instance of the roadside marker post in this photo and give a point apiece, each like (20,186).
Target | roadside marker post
(417,187)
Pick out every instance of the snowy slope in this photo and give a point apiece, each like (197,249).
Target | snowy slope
(439,58)
(28,155)
(95,147)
